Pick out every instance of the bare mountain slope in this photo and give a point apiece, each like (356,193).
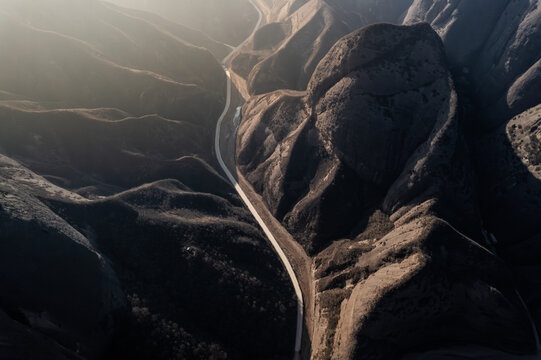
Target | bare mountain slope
(229,21)
(105,59)
(510,164)
(117,238)
(132,274)
(100,148)
(502,54)
(499,64)
(326,129)
(369,171)
(191,36)
(299,34)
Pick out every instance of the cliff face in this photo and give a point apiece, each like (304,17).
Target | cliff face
(511,173)
(369,106)
(227,22)
(369,171)
(498,63)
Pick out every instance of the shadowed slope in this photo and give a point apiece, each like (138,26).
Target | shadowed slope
(299,34)
(144,251)
(369,171)
(140,273)
(229,21)
(103,58)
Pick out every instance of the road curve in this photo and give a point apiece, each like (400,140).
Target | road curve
(268,233)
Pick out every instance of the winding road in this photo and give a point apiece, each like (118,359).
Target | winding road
(232,179)
(491,240)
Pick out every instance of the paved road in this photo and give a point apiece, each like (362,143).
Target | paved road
(259,20)
(268,233)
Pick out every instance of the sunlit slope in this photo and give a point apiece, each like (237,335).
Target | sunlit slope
(192,36)
(369,171)
(138,274)
(89,55)
(81,147)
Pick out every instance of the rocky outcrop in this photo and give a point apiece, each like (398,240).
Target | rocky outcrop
(510,164)
(501,54)
(131,274)
(369,171)
(513,180)
(228,22)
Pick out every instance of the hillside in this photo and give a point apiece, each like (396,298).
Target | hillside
(501,58)
(131,274)
(499,64)
(117,237)
(512,195)
(369,171)
(391,147)
(229,22)
(285,53)
(107,61)
(95,107)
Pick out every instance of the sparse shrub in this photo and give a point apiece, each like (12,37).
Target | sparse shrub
(533,150)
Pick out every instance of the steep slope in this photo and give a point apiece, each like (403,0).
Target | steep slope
(51,271)
(145,265)
(502,54)
(368,170)
(285,53)
(304,151)
(510,163)
(98,150)
(499,64)
(89,55)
